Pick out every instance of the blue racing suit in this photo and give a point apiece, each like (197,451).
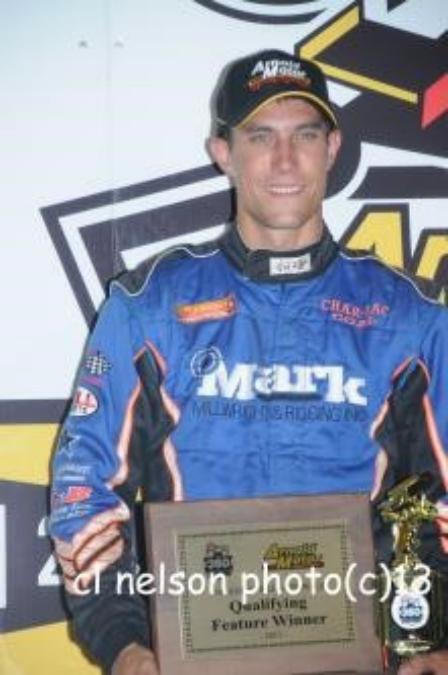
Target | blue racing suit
(219,372)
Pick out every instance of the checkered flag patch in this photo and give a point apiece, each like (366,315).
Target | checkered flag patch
(97,364)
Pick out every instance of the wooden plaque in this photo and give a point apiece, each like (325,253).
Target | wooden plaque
(275,586)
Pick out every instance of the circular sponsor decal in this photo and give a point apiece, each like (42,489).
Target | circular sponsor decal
(84,403)
(205,361)
(266,11)
(410,610)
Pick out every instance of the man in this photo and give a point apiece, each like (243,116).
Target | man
(255,365)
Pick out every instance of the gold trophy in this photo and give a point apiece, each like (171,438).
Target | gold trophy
(410,617)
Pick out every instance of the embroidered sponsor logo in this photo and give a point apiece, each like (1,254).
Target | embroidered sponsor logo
(246,381)
(92,380)
(278,71)
(359,316)
(84,403)
(74,510)
(205,361)
(96,364)
(67,444)
(298,265)
(222,308)
(289,411)
(77,493)
(71,472)
(72,495)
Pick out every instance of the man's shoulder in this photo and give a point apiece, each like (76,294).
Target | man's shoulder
(170,261)
(426,289)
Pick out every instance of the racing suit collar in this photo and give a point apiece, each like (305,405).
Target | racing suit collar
(272,266)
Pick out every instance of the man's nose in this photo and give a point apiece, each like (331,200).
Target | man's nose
(285,154)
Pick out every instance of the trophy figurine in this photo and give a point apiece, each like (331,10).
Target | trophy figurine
(410,618)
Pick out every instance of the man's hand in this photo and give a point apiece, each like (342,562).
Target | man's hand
(135,660)
(435,663)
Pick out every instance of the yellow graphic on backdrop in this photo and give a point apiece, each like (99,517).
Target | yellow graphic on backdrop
(316,45)
(382,233)
(435,250)
(25,452)
(45,650)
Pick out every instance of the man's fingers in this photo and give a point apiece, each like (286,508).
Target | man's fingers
(135,660)
(435,663)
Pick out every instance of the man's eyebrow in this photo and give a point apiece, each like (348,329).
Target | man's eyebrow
(318,124)
(251,128)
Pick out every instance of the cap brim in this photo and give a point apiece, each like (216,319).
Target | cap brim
(325,109)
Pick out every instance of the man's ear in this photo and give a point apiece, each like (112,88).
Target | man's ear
(334,143)
(219,151)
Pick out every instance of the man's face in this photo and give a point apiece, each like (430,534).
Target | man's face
(278,162)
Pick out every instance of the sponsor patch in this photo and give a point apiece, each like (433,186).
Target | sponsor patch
(210,310)
(71,472)
(72,495)
(248,381)
(205,361)
(92,380)
(84,403)
(285,265)
(359,316)
(67,443)
(74,510)
(96,364)
(292,413)
(277,72)
(77,493)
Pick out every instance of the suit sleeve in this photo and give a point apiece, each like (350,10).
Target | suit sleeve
(100,463)
(435,405)
(413,437)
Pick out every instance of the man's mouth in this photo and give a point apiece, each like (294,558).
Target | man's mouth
(285,189)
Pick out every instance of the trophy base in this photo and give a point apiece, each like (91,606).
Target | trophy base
(410,647)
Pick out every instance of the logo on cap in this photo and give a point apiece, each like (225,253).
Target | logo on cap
(278,71)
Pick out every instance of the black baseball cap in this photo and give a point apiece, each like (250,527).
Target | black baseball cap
(253,81)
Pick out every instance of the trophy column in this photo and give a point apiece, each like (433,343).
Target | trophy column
(411,616)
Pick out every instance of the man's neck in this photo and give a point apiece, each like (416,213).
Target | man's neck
(280,240)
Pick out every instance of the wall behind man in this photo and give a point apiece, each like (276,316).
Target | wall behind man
(105,108)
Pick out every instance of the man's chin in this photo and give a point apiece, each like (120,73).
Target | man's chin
(285,224)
